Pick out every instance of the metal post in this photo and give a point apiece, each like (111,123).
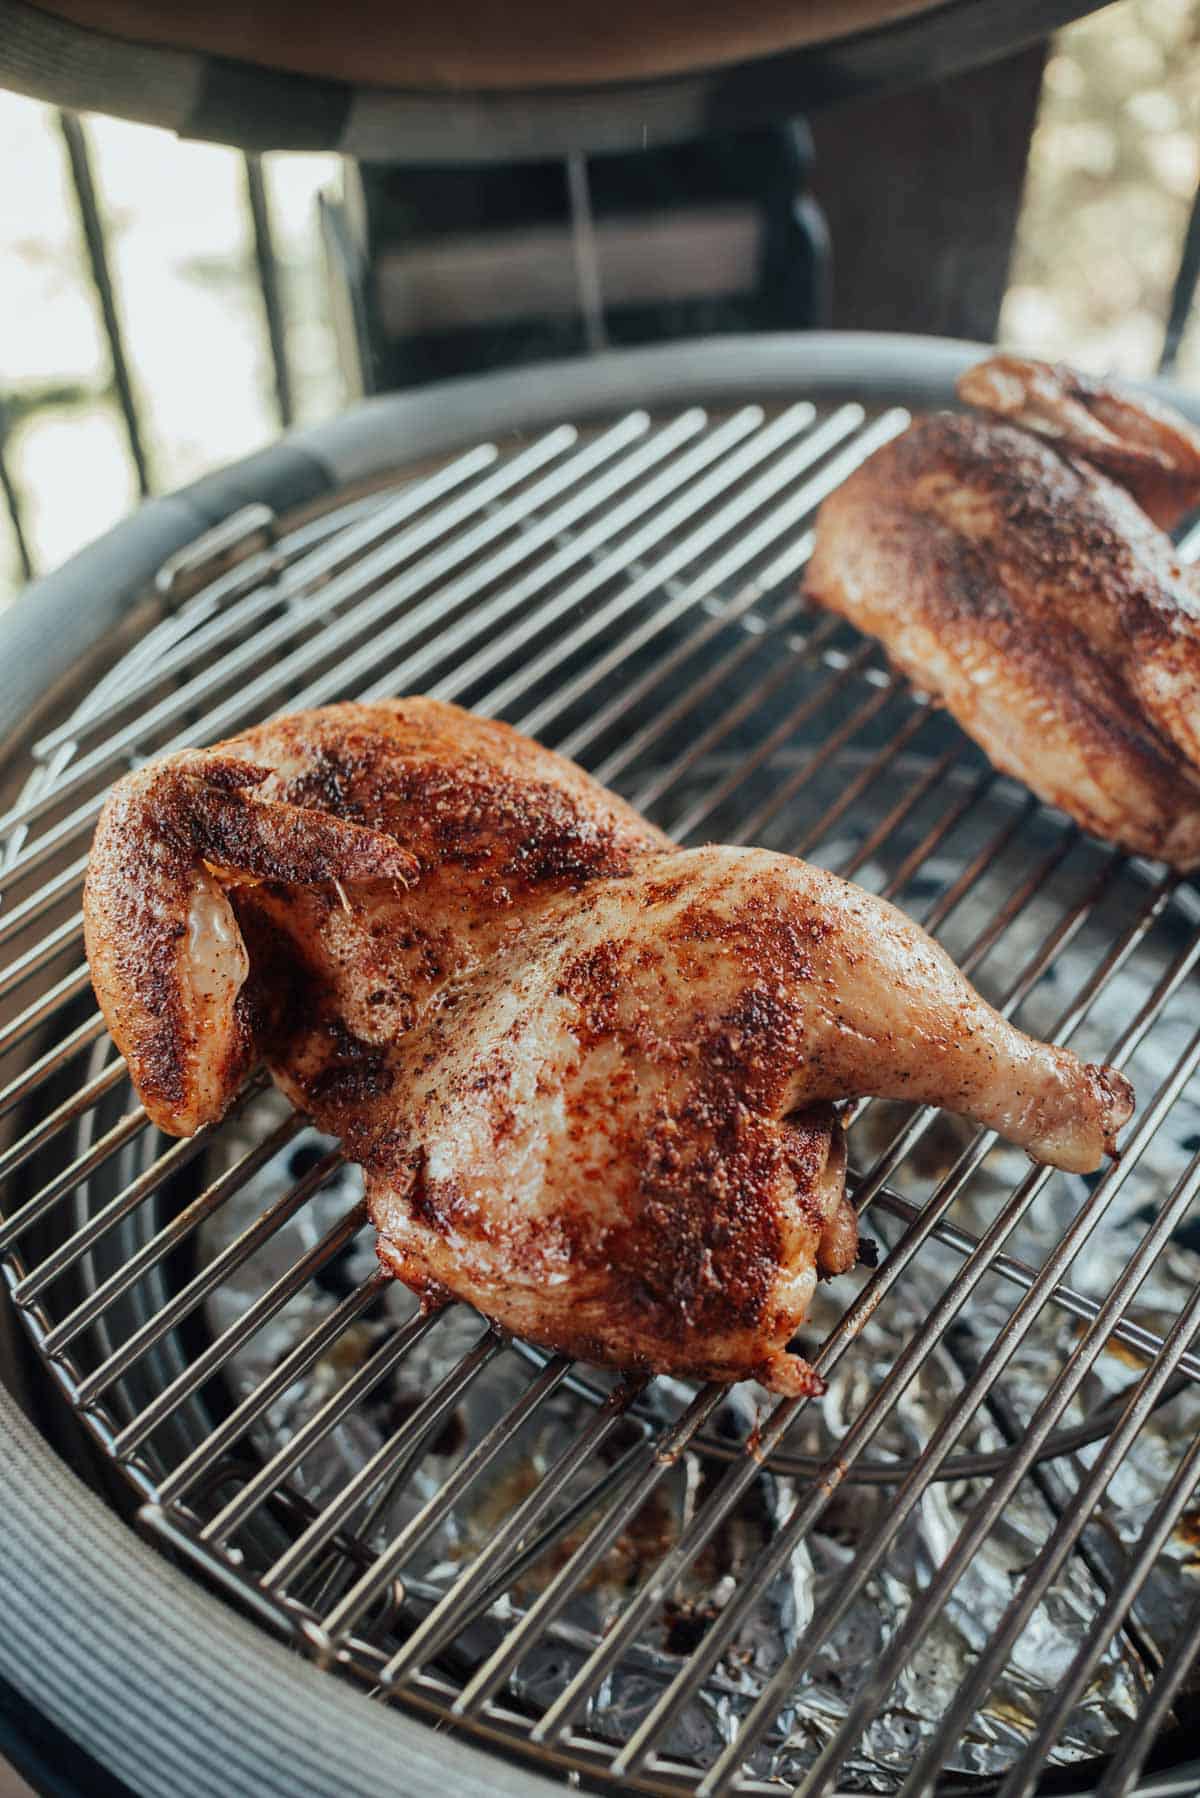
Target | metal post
(97,249)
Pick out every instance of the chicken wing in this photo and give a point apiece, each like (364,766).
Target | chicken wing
(292,832)
(1006,574)
(591,1078)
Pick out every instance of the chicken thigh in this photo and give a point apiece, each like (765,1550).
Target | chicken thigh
(1005,573)
(591,1078)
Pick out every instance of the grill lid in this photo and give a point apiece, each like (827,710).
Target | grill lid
(478,82)
(657,1586)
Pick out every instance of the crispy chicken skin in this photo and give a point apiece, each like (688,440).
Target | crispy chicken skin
(1006,574)
(1141,444)
(590,1077)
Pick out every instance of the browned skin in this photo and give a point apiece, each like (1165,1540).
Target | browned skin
(1008,576)
(1143,445)
(590,1077)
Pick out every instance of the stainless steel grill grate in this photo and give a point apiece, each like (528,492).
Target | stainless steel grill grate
(662,1588)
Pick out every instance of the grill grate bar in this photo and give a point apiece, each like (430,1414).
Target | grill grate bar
(274,1471)
(630,697)
(298,1359)
(572,548)
(39,957)
(548,1605)
(685,823)
(373,1580)
(865,779)
(700,537)
(835,741)
(30,909)
(984,1515)
(236,598)
(51,1063)
(218,1269)
(218,1352)
(446,1618)
(36,1208)
(59,1119)
(577,548)
(164,1240)
(791,1671)
(193,628)
(403,1447)
(682,600)
(1138,1739)
(1049,1561)
(534,1547)
(68,988)
(244,612)
(317,646)
(497,522)
(68,1252)
(617,565)
(783,516)
(1019,1273)
(656,786)
(772,1430)
(948,902)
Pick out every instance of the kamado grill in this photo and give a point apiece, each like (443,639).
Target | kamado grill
(375,1550)
(971,1566)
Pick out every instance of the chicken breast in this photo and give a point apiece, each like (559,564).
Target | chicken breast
(1007,575)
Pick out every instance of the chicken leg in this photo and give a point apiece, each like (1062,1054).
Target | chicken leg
(615,1137)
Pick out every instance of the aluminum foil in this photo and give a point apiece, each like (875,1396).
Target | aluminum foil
(818,1568)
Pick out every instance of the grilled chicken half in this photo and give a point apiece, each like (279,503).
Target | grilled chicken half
(1012,565)
(591,1078)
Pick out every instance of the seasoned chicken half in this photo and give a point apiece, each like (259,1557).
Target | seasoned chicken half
(591,1078)
(1009,576)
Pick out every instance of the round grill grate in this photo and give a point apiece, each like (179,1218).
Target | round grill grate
(970,1558)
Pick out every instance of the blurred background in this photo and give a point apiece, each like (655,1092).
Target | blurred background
(167,306)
